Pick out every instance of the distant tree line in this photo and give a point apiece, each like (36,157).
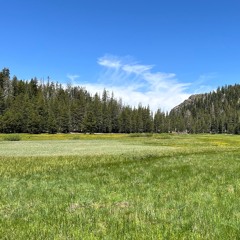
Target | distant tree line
(34,107)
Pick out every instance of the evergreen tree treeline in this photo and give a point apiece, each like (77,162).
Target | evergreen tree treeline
(214,112)
(34,107)
(31,107)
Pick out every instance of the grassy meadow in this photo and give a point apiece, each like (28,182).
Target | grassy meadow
(116,186)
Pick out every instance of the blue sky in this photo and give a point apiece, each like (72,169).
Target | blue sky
(150,51)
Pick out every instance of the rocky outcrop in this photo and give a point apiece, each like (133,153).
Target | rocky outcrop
(191,100)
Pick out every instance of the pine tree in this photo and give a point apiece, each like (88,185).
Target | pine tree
(89,121)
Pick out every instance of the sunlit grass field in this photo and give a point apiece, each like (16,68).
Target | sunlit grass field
(116,186)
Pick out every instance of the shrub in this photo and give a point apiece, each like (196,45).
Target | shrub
(12,137)
(141,135)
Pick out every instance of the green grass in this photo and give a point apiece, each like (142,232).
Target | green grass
(120,187)
(63,136)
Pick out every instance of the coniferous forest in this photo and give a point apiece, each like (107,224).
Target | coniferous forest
(214,112)
(36,107)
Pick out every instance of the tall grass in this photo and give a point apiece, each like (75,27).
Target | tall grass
(185,187)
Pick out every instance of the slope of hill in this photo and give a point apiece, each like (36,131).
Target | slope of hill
(215,112)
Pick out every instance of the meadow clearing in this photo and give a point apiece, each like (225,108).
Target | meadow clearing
(118,186)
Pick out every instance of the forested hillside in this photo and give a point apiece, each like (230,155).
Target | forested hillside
(215,112)
(34,107)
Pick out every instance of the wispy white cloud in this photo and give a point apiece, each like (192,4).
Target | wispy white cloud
(207,77)
(72,78)
(205,83)
(136,69)
(109,61)
(136,83)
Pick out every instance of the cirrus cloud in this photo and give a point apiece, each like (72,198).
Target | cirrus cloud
(136,83)
(72,77)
